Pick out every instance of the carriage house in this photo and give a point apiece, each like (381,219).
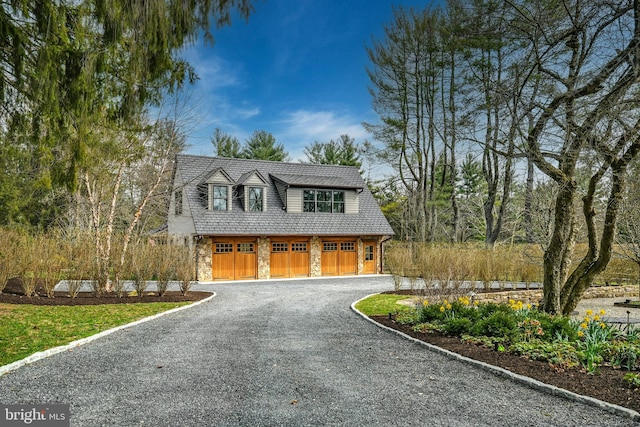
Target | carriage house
(253,219)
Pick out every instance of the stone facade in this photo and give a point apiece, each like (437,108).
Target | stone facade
(315,253)
(204,255)
(360,249)
(204,267)
(264,257)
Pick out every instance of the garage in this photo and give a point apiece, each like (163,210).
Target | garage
(289,258)
(234,259)
(339,257)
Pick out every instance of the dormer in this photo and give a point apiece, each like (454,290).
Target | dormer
(252,187)
(216,190)
(317,194)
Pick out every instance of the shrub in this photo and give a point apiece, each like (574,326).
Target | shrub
(498,324)
(431,312)
(557,327)
(457,326)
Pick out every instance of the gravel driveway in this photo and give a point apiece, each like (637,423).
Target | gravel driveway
(280,353)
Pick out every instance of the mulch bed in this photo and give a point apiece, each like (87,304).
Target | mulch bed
(14,294)
(607,385)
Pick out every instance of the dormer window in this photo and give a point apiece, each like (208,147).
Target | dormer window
(220,197)
(256,198)
(323,201)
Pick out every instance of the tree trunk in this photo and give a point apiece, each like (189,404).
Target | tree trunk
(557,257)
(528,203)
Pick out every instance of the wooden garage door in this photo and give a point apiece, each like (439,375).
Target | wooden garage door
(289,258)
(234,259)
(339,257)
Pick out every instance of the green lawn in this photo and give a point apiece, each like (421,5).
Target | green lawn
(27,329)
(382,304)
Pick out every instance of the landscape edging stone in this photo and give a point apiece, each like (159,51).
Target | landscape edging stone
(521,379)
(67,347)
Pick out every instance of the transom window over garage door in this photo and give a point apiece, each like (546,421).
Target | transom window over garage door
(246,247)
(223,248)
(347,246)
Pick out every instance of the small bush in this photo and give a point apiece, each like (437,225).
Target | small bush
(457,326)
(557,327)
(498,324)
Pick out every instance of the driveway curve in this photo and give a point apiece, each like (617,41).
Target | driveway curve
(280,353)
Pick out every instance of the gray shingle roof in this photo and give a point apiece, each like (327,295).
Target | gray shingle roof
(314,181)
(275,220)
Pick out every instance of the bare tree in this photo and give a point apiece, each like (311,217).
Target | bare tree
(585,55)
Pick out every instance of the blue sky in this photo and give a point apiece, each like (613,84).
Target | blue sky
(295,69)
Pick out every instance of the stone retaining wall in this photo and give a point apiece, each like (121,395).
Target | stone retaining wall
(535,295)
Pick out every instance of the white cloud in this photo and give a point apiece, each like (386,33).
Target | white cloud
(212,70)
(321,126)
(302,127)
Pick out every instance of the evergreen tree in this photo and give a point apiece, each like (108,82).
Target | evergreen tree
(262,146)
(344,151)
(225,144)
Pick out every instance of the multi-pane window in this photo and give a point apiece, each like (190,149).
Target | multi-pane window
(330,246)
(323,201)
(338,202)
(299,247)
(223,248)
(245,247)
(220,197)
(309,199)
(255,199)
(348,246)
(368,253)
(178,202)
(279,247)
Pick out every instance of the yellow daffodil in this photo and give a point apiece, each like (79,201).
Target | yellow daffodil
(442,308)
(589,312)
(448,306)
(584,325)
(602,325)
(580,334)
(596,317)
(602,312)
(425,303)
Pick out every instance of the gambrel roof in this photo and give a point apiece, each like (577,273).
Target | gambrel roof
(191,170)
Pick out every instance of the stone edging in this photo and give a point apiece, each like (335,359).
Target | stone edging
(55,350)
(521,379)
